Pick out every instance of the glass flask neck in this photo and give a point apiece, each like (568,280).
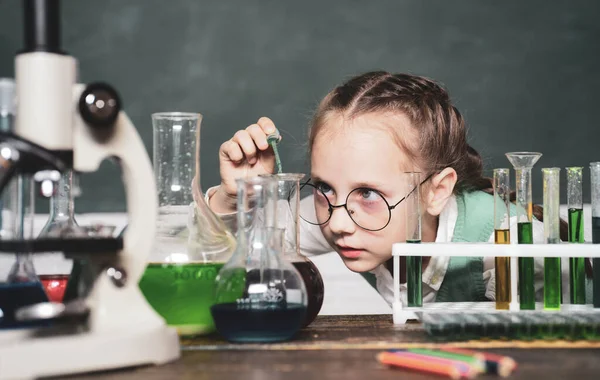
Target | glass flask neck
(22,270)
(288,216)
(185,221)
(62,205)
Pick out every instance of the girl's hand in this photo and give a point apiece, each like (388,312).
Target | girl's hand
(246,154)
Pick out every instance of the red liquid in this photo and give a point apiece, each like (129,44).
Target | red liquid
(314,288)
(54,285)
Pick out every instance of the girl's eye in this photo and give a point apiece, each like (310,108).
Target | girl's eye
(369,195)
(324,188)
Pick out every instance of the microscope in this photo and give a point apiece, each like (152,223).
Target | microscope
(62,125)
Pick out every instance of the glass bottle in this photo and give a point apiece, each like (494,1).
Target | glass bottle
(191,244)
(288,218)
(53,268)
(260,296)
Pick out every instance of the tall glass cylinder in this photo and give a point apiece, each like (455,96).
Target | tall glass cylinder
(595,191)
(501,185)
(414,282)
(575,204)
(552,270)
(523,162)
(260,296)
(288,217)
(191,244)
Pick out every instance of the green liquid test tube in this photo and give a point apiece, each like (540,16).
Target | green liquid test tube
(575,204)
(501,184)
(523,163)
(595,192)
(273,140)
(552,272)
(414,282)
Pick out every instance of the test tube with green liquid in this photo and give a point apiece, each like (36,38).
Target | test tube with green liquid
(412,207)
(575,204)
(595,182)
(501,185)
(273,139)
(552,273)
(523,163)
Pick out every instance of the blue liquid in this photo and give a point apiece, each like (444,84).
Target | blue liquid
(242,323)
(14,296)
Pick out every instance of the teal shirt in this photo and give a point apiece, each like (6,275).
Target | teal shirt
(475,223)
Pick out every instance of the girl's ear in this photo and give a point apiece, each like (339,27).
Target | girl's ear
(439,191)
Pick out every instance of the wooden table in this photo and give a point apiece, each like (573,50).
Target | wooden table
(344,347)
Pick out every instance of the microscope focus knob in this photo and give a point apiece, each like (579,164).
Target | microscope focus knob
(99,105)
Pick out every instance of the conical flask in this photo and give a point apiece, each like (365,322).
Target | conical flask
(21,286)
(54,269)
(192,244)
(260,296)
(288,218)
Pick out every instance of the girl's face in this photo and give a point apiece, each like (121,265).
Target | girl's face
(361,153)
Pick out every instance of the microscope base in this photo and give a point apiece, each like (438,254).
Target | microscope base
(26,354)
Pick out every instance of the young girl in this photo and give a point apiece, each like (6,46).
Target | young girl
(365,134)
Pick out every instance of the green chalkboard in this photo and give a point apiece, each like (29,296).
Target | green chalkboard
(524,73)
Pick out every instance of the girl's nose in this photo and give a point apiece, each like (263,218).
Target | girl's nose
(340,222)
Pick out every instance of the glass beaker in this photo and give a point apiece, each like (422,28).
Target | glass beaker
(191,244)
(288,218)
(54,269)
(260,296)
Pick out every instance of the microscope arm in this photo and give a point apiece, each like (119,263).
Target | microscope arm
(125,144)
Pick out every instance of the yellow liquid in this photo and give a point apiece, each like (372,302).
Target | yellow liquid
(502,272)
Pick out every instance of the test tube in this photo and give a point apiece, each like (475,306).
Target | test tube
(575,204)
(552,273)
(413,235)
(523,163)
(502,236)
(595,182)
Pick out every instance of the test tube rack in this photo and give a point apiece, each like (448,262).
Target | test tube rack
(403,313)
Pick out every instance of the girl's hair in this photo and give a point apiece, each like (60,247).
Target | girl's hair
(442,140)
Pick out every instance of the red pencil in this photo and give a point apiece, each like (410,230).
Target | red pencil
(423,364)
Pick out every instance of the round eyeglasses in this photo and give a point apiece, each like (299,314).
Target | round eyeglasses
(367,208)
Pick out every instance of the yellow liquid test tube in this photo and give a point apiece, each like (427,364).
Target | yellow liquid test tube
(501,184)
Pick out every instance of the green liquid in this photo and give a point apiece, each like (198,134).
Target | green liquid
(273,143)
(182,294)
(576,264)
(526,287)
(596,261)
(552,283)
(414,282)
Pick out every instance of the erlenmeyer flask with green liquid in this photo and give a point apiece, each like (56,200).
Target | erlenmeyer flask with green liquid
(192,244)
